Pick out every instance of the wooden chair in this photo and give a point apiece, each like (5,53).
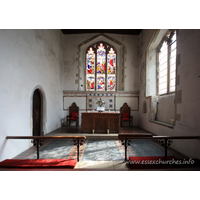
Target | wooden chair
(125,112)
(73,114)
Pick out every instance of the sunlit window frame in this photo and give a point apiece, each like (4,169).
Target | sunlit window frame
(95,48)
(167,39)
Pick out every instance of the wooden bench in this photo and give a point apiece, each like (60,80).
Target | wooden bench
(164,140)
(38,140)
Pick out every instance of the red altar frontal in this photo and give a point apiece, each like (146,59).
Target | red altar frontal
(100,122)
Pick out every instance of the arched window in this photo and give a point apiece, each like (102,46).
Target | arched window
(166,65)
(100,67)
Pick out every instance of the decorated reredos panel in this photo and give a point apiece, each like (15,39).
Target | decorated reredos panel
(107,99)
(112,101)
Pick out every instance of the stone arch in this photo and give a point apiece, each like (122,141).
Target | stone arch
(81,59)
(43,109)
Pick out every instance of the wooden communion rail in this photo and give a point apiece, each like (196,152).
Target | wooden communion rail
(38,140)
(164,140)
(125,138)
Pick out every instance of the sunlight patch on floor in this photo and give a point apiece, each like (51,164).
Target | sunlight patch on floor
(101,165)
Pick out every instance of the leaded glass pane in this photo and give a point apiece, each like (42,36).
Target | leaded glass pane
(163,73)
(163,50)
(173,60)
(111,62)
(167,64)
(90,62)
(173,37)
(100,82)
(111,82)
(90,82)
(163,88)
(101,59)
(162,69)
(172,85)
(172,68)
(173,46)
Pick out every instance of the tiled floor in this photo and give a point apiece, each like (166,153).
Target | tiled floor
(99,151)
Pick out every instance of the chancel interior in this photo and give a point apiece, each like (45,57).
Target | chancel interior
(154,72)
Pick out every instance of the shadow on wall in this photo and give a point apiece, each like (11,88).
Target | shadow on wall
(63,121)
(2,147)
(166,109)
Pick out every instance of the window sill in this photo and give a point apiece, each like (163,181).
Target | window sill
(165,94)
(162,123)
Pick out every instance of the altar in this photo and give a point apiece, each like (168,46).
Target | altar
(100,122)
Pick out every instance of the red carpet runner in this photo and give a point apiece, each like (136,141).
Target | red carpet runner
(67,163)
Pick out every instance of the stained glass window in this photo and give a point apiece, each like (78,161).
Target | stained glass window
(111,70)
(111,83)
(101,59)
(90,82)
(90,70)
(101,68)
(100,82)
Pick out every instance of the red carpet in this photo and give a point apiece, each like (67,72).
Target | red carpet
(39,163)
(161,162)
(149,158)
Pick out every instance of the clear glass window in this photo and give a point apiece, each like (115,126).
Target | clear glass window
(166,76)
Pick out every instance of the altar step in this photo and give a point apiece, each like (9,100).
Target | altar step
(72,130)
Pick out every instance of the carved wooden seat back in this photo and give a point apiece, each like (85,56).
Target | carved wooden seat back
(125,109)
(125,112)
(73,114)
(73,109)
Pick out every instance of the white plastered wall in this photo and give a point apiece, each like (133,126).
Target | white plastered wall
(187,96)
(29,59)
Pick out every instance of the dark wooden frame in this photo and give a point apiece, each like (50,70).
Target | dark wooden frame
(73,109)
(126,109)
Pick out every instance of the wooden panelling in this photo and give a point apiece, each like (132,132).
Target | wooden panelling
(100,122)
